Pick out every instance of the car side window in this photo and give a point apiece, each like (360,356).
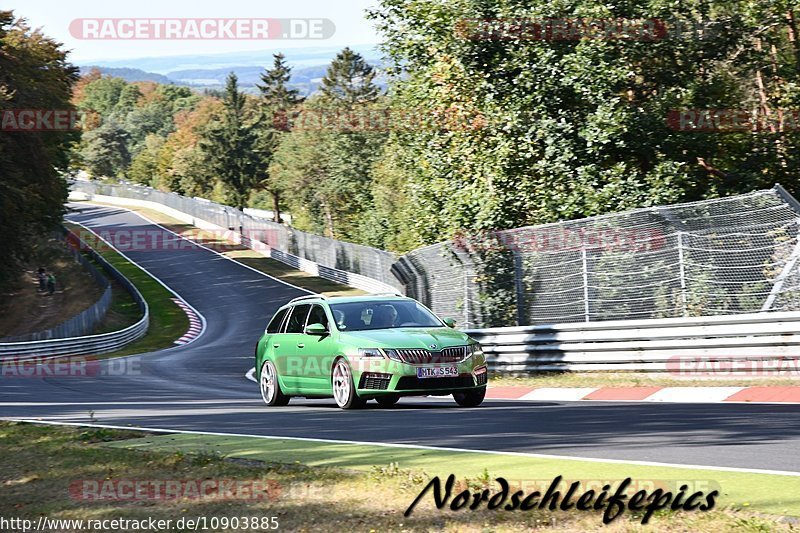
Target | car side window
(297,319)
(277,320)
(318,316)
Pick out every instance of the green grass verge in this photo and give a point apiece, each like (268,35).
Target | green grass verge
(766,493)
(168,322)
(315,487)
(123,310)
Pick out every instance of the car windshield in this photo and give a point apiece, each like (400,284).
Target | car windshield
(386,314)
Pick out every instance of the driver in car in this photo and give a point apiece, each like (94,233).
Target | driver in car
(385,317)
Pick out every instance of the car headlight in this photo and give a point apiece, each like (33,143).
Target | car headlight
(392,354)
(369,352)
(474,349)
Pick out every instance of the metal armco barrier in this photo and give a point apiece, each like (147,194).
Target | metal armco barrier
(358,266)
(682,346)
(91,344)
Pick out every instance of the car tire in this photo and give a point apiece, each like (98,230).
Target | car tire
(344,390)
(270,387)
(471,398)
(387,401)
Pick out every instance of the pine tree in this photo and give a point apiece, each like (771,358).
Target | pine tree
(277,101)
(230,146)
(275,91)
(349,80)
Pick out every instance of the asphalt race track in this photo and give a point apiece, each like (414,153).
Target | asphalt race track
(201,387)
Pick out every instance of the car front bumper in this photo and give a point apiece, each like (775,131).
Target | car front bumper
(383,377)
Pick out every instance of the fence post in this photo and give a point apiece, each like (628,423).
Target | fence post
(520,289)
(586,310)
(466,296)
(682,268)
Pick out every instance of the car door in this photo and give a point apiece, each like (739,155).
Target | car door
(291,366)
(273,333)
(316,353)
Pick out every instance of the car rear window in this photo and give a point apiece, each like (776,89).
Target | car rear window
(297,319)
(277,320)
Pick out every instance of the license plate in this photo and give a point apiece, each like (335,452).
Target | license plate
(437,372)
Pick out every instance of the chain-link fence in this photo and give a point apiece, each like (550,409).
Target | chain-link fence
(731,255)
(716,257)
(330,253)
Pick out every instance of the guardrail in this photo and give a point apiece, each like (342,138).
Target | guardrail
(358,266)
(91,344)
(681,346)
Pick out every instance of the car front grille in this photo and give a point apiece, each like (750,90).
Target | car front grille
(414,383)
(374,381)
(420,356)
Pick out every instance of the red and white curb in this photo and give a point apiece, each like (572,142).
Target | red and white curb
(195,324)
(649,394)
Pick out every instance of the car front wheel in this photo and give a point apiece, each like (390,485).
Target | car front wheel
(270,388)
(471,398)
(344,390)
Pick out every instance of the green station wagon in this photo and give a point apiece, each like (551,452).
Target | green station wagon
(360,348)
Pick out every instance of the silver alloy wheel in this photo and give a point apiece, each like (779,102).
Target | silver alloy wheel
(268,382)
(341,383)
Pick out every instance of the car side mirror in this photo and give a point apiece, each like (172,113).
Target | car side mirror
(449,322)
(316,329)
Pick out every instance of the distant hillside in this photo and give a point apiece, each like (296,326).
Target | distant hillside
(304,79)
(128,74)
(209,72)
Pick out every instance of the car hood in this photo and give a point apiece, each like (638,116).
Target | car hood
(442,337)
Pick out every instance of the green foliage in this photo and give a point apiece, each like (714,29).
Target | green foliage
(555,130)
(105,150)
(277,100)
(326,162)
(230,146)
(144,166)
(34,74)
(349,80)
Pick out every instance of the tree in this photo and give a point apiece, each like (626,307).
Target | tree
(518,131)
(182,166)
(144,165)
(230,146)
(34,74)
(105,150)
(349,80)
(275,91)
(277,101)
(328,163)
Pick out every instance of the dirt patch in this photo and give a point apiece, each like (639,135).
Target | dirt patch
(24,309)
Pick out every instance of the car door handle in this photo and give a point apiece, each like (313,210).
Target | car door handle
(276,345)
(301,345)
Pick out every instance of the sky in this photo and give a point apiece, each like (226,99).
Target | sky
(55,16)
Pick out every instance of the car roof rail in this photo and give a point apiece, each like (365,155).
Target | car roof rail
(388,294)
(308,297)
